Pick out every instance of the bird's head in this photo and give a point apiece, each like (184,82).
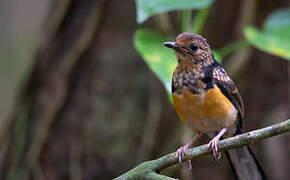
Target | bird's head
(191,48)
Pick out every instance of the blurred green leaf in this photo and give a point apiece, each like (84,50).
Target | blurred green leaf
(275,42)
(217,56)
(278,19)
(161,60)
(147,8)
(275,37)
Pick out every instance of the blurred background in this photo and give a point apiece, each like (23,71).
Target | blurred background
(81,98)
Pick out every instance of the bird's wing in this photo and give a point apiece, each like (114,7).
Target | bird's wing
(229,89)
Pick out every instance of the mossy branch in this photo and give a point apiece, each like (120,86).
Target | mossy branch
(150,169)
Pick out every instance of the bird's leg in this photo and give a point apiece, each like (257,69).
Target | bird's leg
(213,143)
(184,148)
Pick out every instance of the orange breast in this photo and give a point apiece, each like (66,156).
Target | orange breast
(210,111)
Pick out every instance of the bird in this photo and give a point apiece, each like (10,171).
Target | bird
(208,101)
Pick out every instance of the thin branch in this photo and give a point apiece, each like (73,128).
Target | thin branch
(150,169)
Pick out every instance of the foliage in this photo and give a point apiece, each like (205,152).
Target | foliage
(161,60)
(147,8)
(274,39)
(275,36)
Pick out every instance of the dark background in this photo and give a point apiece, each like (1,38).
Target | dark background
(78,101)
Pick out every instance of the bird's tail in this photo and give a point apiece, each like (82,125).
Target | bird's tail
(245,164)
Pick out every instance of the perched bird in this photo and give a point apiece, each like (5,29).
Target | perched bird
(208,101)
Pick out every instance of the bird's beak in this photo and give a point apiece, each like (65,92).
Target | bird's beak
(171,45)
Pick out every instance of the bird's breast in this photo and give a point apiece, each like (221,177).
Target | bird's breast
(206,112)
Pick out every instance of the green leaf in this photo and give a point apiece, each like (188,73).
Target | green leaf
(147,8)
(161,60)
(274,42)
(278,19)
(217,56)
(275,37)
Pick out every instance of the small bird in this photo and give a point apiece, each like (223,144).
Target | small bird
(208,101)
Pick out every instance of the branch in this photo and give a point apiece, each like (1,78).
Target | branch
(150,169)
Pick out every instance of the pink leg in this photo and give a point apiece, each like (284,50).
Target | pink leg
(184,148)
(213,143)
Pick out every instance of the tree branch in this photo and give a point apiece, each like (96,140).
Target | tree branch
(150,169)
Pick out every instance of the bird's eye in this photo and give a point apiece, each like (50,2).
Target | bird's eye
(194,47)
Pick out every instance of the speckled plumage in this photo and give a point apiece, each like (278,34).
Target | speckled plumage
(198,72)
(207,100)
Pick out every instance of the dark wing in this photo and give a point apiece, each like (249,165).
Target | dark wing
(229,89)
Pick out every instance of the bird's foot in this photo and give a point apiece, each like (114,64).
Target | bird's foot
(179,153)
(213,145)
(182,150)
(214,142)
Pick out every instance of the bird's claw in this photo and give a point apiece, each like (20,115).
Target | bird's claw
(180,151)
(213,145)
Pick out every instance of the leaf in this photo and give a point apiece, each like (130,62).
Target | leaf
(278,19)
(275,37)
(274,42)
(161,60)
(147,8)
(217,56)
